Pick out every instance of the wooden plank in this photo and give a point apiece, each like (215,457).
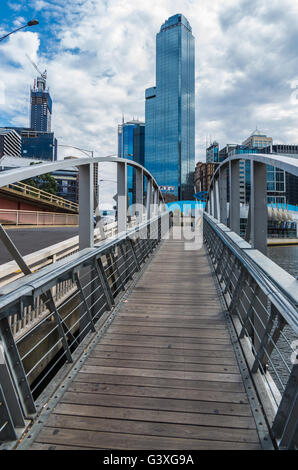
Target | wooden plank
(177,332)
(152,355)
(162,365)
(187,355)
(144,428)
(170,324)
(157,317)
(93,376)
(42,446)
(161,404)
(171,374)
(200,419)
(101,440)
(168,341)
(86,384)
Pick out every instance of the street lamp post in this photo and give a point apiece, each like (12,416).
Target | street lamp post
(90,152)
(29,24)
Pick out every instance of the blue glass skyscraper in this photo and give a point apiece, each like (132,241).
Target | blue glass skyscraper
(131,139)
(170,110)
(41,106)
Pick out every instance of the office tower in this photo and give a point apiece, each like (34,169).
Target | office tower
(36,145)
(203,175)
(41,105)
(39,145)
(170,110)
(10,143)
(291,181)
(212,153)
(257,142)
(276,184)
(131,140)
(131,145)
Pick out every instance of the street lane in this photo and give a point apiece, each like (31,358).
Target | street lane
(28,240)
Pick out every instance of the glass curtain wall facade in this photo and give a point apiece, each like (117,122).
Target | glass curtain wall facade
(39,145)
(131,145)
(170,110)
(212,153)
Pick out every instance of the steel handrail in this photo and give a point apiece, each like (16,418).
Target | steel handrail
(282,299)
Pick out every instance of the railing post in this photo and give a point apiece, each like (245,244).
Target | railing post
(211,201)
(223,195)
(216,200)
(86,207)
(148,197)
(139,193)
(122,196)
(7,429)
(285,424)
(9,394)
(258,206)
(155,199)
(16,369)
(105,283)
(234,216)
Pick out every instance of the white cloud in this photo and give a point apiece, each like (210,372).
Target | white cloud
(103,58)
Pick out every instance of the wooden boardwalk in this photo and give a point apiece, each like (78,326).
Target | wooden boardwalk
(164,375)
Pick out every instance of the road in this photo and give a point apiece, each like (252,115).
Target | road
(28,240)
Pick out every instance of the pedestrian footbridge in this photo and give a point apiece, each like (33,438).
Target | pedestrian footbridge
(171,334)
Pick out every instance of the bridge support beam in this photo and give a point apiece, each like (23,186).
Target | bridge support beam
(122,197)
(223,195)
(216,199)
(258,207)
(211,201)
(234,216)
(86,206)
(149,197)
(139,194)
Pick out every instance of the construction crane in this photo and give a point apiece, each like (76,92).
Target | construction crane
(44,74)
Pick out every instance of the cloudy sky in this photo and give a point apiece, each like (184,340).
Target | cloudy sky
(100,57)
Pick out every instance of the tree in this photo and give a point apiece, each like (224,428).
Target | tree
(44,182)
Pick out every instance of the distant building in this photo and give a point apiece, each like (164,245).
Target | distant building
(67,183)
(131,145)
(212,153)
(10,143)
(276,181)
(37,145)
(40,145)
(291,181)
(41,105)
(257,140)
(225,151)
(170,110)
(284,149)
(131,141)
(202,175)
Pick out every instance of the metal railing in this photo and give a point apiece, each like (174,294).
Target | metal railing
(95,280)
(32,316)
(36,218)
(262,302)
(10,271)
(36,193)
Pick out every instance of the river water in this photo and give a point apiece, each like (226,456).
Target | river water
(287,258)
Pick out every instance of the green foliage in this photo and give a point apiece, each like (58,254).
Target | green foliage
(45,182)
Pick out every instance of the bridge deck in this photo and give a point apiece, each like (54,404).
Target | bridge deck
(164,375)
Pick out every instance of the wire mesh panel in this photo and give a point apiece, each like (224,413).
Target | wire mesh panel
(57,316)
(261,311)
